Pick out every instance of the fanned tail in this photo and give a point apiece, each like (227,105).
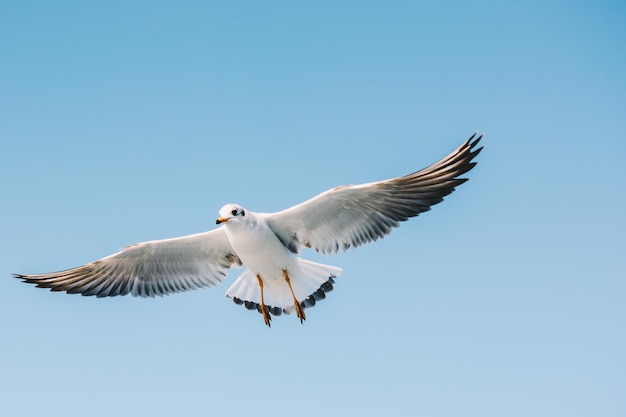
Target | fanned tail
(310,282)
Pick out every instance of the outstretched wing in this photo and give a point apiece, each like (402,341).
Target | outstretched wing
(158,267)
(356,214)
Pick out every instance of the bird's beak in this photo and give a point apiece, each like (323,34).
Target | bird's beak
(221,220)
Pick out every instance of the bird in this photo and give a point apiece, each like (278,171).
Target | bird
(276,279)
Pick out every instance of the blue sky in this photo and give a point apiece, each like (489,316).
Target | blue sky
(130,121)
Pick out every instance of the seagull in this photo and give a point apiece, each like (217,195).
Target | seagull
(276,280)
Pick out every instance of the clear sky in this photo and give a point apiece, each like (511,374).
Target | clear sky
(126,121)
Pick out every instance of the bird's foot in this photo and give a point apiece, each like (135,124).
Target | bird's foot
(264,310)
(266,315)
(296,303)
(299,311)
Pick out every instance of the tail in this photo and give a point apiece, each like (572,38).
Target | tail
(310,282)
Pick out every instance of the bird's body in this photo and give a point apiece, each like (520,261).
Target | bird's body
(276,280)
(274,277)
(255,244)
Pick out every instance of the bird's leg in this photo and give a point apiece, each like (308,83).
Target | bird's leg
(266,316)
(299,309)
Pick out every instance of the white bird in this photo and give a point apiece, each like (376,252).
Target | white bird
(275,279)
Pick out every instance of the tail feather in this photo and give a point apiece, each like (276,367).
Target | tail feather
(310,282)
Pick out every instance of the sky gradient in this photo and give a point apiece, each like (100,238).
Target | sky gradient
(122,122)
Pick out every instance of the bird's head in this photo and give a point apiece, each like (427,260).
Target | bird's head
(231,213)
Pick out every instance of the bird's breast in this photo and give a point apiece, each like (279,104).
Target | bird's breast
(260,250)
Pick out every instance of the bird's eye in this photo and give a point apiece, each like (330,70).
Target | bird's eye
(234,212)
(243,213)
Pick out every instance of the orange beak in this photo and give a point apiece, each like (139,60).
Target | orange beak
(221,220)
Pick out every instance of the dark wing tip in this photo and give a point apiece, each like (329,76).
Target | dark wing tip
(25,278)
(467,152)
(472,142)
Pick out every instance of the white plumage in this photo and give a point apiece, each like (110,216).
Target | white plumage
(276,280)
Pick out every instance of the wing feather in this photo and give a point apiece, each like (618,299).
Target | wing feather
(148,269)
(349,216)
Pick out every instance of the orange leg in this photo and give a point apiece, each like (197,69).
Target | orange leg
(299,310)
(266,316)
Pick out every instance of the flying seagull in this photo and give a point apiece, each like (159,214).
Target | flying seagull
(275,280)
